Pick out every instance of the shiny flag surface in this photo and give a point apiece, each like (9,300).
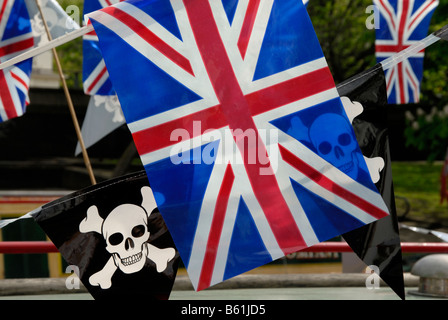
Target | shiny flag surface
(240,128)
(377,244)
(401,24)
(114,236)
(15,38)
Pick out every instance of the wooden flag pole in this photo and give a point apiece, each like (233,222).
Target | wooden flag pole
(69,101)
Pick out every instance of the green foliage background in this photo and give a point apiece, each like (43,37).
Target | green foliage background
(349,47)
(70,53)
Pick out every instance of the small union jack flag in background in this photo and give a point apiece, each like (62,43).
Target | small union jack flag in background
(104,106)
(15,38)
(403,23)
(240,128)
(95,76)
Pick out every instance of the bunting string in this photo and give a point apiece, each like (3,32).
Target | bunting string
(395,59)
(388,63)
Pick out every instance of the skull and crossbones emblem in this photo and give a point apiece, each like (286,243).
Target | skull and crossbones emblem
(126,233)
(330,136)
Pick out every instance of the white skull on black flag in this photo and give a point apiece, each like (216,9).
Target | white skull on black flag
(115,235)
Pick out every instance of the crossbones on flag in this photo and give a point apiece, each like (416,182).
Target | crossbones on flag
(240,128)
(114,235)
(401,24)
(15,38)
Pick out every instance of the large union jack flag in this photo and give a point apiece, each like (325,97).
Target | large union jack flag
(403,23)
(15,37)
(238,123)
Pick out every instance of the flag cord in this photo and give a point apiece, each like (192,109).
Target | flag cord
(410,51)
(402,55)
(386,64)
(69,101)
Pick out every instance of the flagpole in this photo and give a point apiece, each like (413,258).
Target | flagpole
(69,100)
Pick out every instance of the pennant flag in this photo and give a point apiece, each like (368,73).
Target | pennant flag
(378,243)
(240,128)
(58,22)
(94,72)
(401,24)
(114,235)
(15,38)
(103,116)
(104,113)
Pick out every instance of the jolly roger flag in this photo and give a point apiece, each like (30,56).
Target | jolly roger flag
(114,233)
(378,243)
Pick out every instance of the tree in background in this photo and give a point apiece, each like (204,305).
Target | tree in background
(70,53)
(349,47)
(427,121)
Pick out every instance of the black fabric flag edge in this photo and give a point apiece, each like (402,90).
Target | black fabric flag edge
(377,243)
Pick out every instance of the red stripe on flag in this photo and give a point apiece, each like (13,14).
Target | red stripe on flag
(2,10)
(6,98)
(236,110)
(414,86)
(91,33)
(159,136)
(421,12)
(208,264)
(401,82)
(248,25)
(19,80)
(402,25)
(150,37)
(390,78)
(411,79)
(97,79)
(17,46)
(389,13)
(289,91)
(326,183)
(392,48)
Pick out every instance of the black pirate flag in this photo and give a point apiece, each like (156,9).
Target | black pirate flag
(377,243)
(114,234)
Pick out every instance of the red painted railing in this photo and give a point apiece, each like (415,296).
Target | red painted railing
(20,247)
